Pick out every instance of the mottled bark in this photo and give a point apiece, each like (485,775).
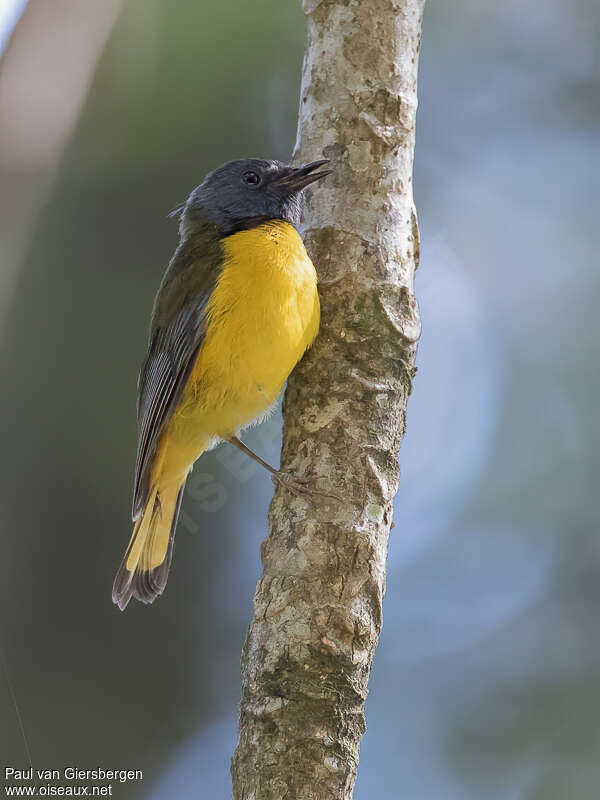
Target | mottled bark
(318,604)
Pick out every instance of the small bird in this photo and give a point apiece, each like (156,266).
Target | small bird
(236,310)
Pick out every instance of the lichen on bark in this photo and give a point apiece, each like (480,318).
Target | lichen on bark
(318,605)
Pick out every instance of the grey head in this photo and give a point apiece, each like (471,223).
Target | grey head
(243,193)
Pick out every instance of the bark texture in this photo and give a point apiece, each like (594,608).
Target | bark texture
(318,604)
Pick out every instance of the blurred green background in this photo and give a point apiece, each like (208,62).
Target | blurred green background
(487,679)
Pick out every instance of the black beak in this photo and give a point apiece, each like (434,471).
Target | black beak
(298,178)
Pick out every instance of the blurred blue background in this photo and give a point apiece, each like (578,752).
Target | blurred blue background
(486,682)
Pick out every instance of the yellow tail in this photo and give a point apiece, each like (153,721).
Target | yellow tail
(145,567)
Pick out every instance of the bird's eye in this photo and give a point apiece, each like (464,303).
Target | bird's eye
(251,178)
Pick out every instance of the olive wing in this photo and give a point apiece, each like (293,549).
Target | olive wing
(177,333)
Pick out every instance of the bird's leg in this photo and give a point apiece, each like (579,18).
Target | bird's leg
(241,446)
(299,485)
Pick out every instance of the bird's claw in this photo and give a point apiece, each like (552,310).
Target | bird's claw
(298,485)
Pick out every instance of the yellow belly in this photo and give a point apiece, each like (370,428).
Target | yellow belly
(262,316)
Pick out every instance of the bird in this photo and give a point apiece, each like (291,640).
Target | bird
(237,308)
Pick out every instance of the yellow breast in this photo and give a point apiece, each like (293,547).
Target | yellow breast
(262,316)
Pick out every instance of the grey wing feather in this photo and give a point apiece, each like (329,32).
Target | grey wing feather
(163,375)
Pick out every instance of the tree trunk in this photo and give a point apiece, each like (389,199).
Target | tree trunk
(318,604)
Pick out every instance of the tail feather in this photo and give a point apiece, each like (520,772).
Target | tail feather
(145,567)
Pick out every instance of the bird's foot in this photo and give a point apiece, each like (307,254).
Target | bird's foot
(290,482)
(301,486)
